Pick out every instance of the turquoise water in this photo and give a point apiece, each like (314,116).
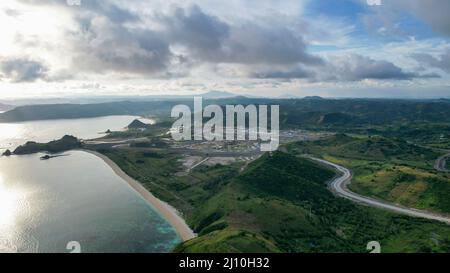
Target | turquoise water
(44,204)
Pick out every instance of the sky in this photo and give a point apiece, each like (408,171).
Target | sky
(346,48)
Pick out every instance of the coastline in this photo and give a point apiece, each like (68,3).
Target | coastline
(164,209)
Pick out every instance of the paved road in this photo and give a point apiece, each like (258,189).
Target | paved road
(441,162)
(198,164)
(339,187)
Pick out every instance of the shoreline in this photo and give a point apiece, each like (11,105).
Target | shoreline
(169,213)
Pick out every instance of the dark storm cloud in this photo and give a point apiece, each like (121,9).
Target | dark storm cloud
(21,70)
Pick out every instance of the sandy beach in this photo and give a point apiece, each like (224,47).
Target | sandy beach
(165,210)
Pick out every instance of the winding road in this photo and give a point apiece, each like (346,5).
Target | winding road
(339,186)
(441,162)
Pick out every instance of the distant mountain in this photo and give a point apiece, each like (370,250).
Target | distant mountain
(313,98)
(73,111)
(217,95)
(287,96)
(4,107)
(313,111)
(108,99)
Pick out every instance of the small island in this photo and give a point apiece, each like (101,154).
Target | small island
(47,157)
(7,153)
(56,146)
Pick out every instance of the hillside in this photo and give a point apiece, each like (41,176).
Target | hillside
(282,201)
(336,118)
(375,148)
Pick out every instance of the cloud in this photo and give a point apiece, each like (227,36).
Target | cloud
(209,39)
(106,38)
(201,33)
(12,12)
(109,38)
(442,61)
(120,40)
(103,42)
(257,44)
(295,73)
(342,68)
(434,12)
(106,47)
(357,67)
(354,67)
(21,70)
(391,12)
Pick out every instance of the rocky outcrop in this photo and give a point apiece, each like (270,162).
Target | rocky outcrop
(137,124)
(64,144)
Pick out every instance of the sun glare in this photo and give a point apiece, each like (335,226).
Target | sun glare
(8,205)
(9,131)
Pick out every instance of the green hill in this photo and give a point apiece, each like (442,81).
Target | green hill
(336,118)
(281,204)
(287,177)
